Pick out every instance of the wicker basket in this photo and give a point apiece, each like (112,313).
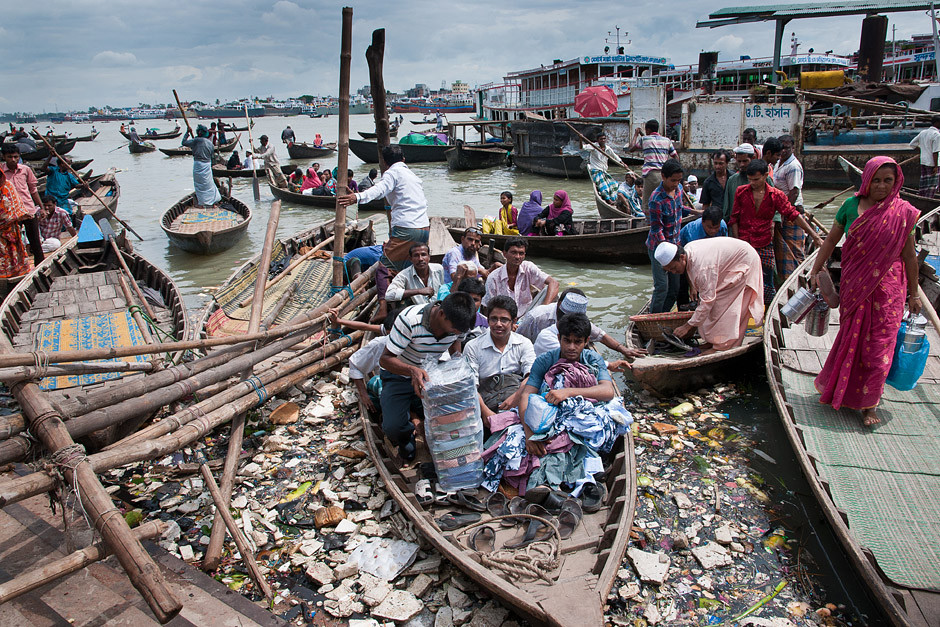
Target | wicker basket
(651,326)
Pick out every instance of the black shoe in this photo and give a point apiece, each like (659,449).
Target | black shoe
(408,450)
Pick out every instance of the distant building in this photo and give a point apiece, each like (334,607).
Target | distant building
(420,90)
(460,87)
(365,91)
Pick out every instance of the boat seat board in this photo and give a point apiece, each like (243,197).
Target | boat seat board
(886,478)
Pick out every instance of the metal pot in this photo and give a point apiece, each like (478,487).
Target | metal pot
(799,305)
(817,319)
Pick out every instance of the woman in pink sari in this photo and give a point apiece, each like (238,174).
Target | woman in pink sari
(878,263)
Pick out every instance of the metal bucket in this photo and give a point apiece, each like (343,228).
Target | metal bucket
(799,305)
(817,319)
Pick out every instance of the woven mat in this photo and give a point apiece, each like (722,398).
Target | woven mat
(100,331)
(229,296)
(197,215)
(886,479)
(312,277)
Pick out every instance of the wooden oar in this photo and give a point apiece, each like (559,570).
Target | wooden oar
(183,113)
(86,186)
(928,309)
(124,145)
(598,148)
(255,186)
(293,264)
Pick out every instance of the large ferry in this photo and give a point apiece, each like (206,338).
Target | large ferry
(233,110)
(458,103)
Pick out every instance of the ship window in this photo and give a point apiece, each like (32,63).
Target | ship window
(607,70)
(935,104)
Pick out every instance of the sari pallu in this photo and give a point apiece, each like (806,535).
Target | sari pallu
(14,261)
(872,292)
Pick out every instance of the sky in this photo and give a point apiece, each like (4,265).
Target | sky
(72,54)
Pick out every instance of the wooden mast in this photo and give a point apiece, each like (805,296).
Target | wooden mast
(342,166)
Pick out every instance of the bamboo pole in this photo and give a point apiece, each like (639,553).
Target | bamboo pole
(71,563)
(339,243)
(162,388)
(81,180)
(221,508)
(237,434)
(46,424)
(293,265)
(183,113)
(278,307)
(130,276)
(375,58)
(20,373)
(21,488)
(255,185)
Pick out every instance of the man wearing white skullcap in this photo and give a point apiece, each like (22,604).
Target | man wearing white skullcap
(726,275)
(743,155)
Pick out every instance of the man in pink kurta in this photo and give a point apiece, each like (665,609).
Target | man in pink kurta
(726,274)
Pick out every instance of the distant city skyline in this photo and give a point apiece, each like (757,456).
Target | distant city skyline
(67,55)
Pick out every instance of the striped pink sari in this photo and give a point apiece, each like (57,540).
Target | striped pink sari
(872,294)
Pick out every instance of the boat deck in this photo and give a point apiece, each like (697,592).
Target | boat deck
(198,219)
(101,594)
(884,481)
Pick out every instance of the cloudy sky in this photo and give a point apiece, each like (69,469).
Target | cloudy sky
(72,54)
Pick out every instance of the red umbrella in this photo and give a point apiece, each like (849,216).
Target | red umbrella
(595,102)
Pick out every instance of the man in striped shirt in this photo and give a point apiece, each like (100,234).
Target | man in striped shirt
(421,332)
(656,151)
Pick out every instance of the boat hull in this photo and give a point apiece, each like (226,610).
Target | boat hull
(414,153)
(184,151)
(464,157)
(222,172)
(307,151)
(556,166)
(136,148)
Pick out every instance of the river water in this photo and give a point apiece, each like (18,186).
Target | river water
(151,183)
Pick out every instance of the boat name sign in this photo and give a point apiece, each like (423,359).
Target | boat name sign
(625,58)
(767,111)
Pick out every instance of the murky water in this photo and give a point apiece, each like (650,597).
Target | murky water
(150,183)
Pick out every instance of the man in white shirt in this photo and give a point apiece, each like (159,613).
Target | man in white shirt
(788,178)
(409,222)
(597,167)
(573,301)
(466,250)
(500,359)
(518,277)
(928,140)
(419,281)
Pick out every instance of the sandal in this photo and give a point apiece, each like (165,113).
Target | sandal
(483,539)
(569,518)
(536,531)
(592,497)
(517,505)
(455,520)
(497,505)
(467,500)
(423,492)
(538,494)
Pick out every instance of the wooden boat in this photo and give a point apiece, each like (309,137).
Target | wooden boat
(42,152)
(577,591)
(670,373)
(220,171)
(603,241)
(393,132)
(185,151)
(414,153)
(309,151)
(86,138)
(211,231)
(236,129)
(150,137)
(140,147)
(282,193)
(877,486)
(107,187)
(225,316)
(463,156)
(909,194)
(74,292)
(563,166)
(445,127)
(604,208)
(51,138)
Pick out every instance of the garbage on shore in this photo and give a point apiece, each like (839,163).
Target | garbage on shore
(706,545)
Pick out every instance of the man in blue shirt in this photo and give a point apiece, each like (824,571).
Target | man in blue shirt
(709,225)
(574,333)
(59,182)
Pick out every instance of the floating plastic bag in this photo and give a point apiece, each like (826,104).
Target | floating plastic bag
(540,415)
(907,367)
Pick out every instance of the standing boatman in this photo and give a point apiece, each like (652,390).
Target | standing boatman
(207,194)
(287,135)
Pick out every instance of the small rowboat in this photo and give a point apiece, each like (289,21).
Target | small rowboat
(668,374)
(73,300)
(220,171)
(86,138)
(474,156)
(391,133)
(309,151)
(225,315)
(604,208)
(42,151)
(910,195)
(107,188)
(206,230)
(605,241)
(140,147)
(575,593)
(561,166)
(282,193)
(878,485)
(185,151)
(50,138)
(152,136)
(414,153)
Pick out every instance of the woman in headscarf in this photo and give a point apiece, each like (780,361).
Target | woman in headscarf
(207,194)
(13,258)
(529,213)
(555,219)
(313,177)
(878,263)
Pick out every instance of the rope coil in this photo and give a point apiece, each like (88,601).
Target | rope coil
(532,561)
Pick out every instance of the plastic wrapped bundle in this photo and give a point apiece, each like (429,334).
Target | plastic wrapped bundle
(452,424)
